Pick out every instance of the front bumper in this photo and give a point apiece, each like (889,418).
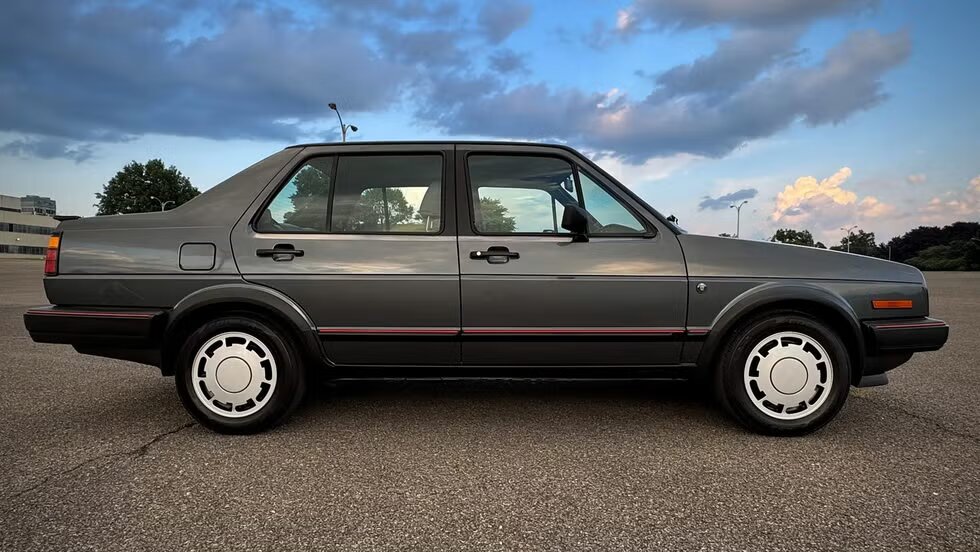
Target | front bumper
(911,335)
(891,343)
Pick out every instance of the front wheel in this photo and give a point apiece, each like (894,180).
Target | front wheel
(239,375)
(784,373)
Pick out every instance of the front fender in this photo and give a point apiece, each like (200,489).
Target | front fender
(800,295)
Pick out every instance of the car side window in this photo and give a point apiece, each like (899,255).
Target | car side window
(388,194)
(527,194)
(609,216)
(362,194)
(517,193)
(301,205)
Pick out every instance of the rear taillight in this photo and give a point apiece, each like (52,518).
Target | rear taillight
(51,255)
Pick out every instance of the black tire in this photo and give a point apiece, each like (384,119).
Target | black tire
(732,388)
(285,395)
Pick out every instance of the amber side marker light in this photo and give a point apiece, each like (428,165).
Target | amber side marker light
(51,255)
(893,304)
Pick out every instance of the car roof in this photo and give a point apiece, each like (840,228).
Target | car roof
(432,142)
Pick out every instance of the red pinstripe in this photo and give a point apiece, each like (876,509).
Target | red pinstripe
(911,325)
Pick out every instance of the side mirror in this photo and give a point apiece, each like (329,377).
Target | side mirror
(576,220)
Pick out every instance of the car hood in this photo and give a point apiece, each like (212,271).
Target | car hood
(709,256)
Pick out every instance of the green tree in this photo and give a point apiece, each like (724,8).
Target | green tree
(862,243)
(493,216)
(133,188)
(795,237)
(310,198)
(370,214)
(909,245)
(957,255)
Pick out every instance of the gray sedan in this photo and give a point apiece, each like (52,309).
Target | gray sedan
(467,259)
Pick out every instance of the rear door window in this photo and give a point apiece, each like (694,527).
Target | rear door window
(362,194)
(388,194)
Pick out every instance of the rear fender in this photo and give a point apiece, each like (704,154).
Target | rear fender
(250,297)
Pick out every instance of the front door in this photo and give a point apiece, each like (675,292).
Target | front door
(533,296)
(365,243)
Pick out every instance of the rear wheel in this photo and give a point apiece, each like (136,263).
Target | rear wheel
(239,375)
(784,373)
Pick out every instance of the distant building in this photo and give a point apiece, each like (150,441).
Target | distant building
(25,224)
(37,205)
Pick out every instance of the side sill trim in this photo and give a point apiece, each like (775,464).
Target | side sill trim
(362,330)
(504,331)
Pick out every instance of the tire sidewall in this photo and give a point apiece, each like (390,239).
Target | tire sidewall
(733,368)
(285,395)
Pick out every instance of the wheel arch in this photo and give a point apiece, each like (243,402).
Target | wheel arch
(822,303)
(222,299)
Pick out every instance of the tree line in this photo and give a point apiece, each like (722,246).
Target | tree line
(952,247)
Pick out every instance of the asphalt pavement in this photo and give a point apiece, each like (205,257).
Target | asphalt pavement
(99,454)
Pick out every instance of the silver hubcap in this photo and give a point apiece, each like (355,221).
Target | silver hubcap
(234,374)
(788,375)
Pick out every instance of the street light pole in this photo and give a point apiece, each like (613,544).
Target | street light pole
(738,216)
(849,230)
(343,128)
(163,204)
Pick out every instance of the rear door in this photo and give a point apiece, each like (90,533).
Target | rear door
(362,239)
(532,296)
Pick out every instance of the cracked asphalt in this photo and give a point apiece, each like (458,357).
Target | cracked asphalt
(99,454)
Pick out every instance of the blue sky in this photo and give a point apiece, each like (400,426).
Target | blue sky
(821,113)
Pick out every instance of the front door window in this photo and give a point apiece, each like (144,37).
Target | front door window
(526,194)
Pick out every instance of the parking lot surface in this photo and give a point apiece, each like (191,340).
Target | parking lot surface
(99,454)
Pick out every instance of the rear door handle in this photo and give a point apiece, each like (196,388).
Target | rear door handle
(495,255)
(281,252)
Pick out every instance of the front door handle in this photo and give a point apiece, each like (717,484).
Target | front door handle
(281,252)
(495,255)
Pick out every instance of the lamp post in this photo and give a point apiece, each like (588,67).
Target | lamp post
(849,231)
(163,204)
(738,216)
(343,128)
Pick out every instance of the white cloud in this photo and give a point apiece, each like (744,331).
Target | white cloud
(807,189)
(953,205)
(825,205)
(916,178)
(624,20)
(651,170)
(610,98)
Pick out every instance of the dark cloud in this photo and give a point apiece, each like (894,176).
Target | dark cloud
(846,81)
(436,48)
(366,11)
(723,202)
(49,148)
(498,19)
(111,72)
(735,61)
(507,61)
(754,13)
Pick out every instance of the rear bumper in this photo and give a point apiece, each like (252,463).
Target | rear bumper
(128,334)
(911,335)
